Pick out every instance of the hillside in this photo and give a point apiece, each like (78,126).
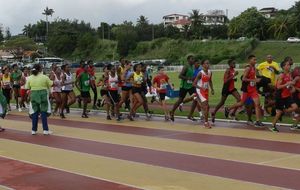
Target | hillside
(177,50)
(278,49)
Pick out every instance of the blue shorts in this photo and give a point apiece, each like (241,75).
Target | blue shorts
(249,101)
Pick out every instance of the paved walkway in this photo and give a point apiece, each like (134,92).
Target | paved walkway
(95,153)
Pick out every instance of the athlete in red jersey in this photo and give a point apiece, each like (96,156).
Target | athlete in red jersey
(228,88)
(202,83)
(249,90)
(296,98)
(285,88)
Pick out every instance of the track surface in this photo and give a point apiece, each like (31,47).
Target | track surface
(98,154)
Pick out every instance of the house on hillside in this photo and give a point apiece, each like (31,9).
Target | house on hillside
(5,55)
(175,19)
(268,12)
(214,17)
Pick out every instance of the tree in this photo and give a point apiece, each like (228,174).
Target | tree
(196,26)
(295,10)
(48,12)
(126,37)
(281,26)
(7,33)
(250,23)
(144,29)
(1,34)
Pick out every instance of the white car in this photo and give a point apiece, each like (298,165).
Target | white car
(293,39)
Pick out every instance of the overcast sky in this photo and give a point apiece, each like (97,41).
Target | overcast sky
(16,13)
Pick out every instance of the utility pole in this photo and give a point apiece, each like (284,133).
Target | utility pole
(152,32)
(102,26)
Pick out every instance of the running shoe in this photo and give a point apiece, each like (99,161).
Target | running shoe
(172,117)
(130,118)
(207,125)
(213,117)
(258,124)
(2,129)
(153,99)
(191,119)
(47,132)
(167,118)
(226,112)
(108,117)
(20,109)
(84,115)
(295,127)
(180,107)
(274,129)
(33,132)
(62,115)
(67,109)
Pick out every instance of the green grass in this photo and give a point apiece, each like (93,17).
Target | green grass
(278,49)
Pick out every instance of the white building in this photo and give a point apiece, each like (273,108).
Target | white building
(173,18)
(214,17)
(268,12)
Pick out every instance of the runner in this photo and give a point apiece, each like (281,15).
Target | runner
(284,100)
(160,82)
(138,77)
(228,88)
(186,85)
(6,86)
(67,94)
(126,79)
(23,91)
(113,90)
(16,76)
(56,89)
(268,71)
(3,108)
(103,83)
(197,69)
(296,98)
(78,72)
(39,84)
(92,71)
(202,83)
(249,90)
(145,90)
(83,84)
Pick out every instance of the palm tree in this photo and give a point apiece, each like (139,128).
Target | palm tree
(27,30)
(280,26)
(48,12)
(197,20)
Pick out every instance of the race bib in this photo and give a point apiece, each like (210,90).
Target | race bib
(16,83)
(164,86)
(93,78)
(113,85)
(252,83)
(189,81)
(205,85)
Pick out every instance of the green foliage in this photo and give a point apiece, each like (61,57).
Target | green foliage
(21,42)
(249,23)
(1,35)
(126,37)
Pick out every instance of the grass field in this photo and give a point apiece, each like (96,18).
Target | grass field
(278,49)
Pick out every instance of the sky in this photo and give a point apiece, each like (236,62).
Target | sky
(17,13)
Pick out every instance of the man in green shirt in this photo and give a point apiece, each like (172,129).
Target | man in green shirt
(83,83)
(186,85)
(16,76)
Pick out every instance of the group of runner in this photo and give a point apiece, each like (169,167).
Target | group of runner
(128,84)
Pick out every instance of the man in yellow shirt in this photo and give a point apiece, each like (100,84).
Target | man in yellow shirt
(268,71)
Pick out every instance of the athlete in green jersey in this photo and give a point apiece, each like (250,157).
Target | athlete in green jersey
(83,83)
